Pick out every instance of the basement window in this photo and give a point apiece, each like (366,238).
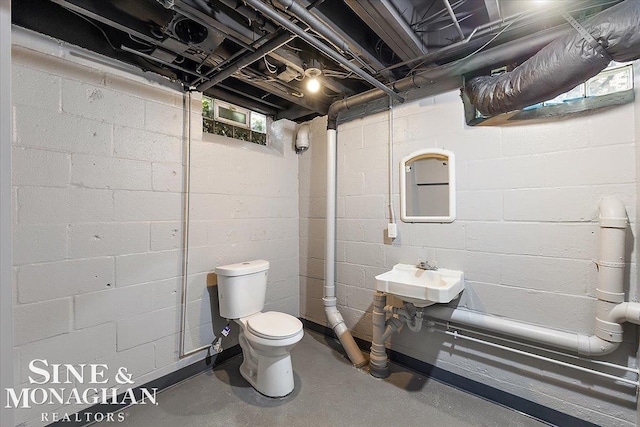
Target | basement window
(613,86)
(226,119)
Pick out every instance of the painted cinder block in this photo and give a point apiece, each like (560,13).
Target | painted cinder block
(164,119)
(361,207)
(167,177)
(157,266)
(364,253)
(112,304)
(100,103)
(41,205)
(503,173)
(147,327)
(101,239)
(39,243)
(61,132)
(34,322)
(147,206)
(110,172)
(614,164)
(39,168)
(480,205)
(35,88)
(140,144)
(41,282)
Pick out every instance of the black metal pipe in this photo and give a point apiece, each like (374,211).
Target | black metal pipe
(275,16)
(496,55)
(246,60)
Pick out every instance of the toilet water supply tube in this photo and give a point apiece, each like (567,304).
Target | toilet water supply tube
(611,309)
(334,318)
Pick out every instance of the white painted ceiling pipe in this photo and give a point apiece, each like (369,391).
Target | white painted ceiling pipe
(302,138)
(334,317)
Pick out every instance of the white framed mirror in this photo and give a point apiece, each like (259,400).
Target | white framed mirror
(428,186)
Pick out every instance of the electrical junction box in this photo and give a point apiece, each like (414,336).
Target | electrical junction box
(286,74)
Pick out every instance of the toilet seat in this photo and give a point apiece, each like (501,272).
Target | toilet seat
(274,325)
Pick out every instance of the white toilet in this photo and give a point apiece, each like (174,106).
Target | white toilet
(266,338)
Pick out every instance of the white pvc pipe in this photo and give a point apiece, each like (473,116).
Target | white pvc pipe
(582,344)
(611,312)
(302,138)
(457,335)
(336,322)
(539,348)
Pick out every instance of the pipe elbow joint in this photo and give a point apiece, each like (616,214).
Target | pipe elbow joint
(625,312)
(595,346)
(613,213)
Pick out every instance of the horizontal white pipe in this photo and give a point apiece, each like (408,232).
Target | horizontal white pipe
(456,335)
(581,344)
(547,350)
(610,292)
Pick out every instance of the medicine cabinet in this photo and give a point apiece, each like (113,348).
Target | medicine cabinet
(427,186)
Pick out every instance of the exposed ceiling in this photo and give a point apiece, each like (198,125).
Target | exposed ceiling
(209,44)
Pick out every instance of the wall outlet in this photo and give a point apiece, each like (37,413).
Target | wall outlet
(392,230)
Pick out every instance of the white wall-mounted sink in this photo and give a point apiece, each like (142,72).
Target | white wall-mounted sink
(421,287)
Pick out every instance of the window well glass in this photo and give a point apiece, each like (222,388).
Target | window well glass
(232,121)
(228,114)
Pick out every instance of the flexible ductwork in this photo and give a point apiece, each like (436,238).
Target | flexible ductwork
(613,34)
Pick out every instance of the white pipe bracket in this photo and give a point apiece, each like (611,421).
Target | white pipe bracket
(613,222)
(614,297)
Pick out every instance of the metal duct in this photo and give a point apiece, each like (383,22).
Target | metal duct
(563,64)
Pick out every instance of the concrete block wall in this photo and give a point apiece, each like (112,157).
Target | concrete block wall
(98,169)
(526,236)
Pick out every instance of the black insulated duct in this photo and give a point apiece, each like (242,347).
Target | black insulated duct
(563,64)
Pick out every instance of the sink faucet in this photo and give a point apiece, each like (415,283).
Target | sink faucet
(426,265)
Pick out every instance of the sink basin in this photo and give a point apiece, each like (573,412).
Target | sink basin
(421,287)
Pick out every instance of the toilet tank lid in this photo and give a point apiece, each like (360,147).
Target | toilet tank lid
(242,268)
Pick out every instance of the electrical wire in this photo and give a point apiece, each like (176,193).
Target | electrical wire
(414,69)
(137,40)
(98,27)
(271,70)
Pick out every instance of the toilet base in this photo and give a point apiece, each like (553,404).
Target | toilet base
(271,376)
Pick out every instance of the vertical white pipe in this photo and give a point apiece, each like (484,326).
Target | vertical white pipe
(610,290)
(330,237)
(6,288)
(334,317)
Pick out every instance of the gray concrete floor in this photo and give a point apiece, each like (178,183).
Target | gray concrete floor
(329,391)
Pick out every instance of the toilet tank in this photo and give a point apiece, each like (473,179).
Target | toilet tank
(242,288)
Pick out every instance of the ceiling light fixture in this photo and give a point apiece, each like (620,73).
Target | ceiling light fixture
(313,85)
(312,77)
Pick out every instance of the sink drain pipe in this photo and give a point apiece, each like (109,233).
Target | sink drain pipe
(611,309)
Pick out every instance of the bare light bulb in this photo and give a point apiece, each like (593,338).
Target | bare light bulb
(313,85)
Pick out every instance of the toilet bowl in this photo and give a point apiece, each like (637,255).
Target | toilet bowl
(266,338)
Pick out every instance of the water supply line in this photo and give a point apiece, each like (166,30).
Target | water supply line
(611,309)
